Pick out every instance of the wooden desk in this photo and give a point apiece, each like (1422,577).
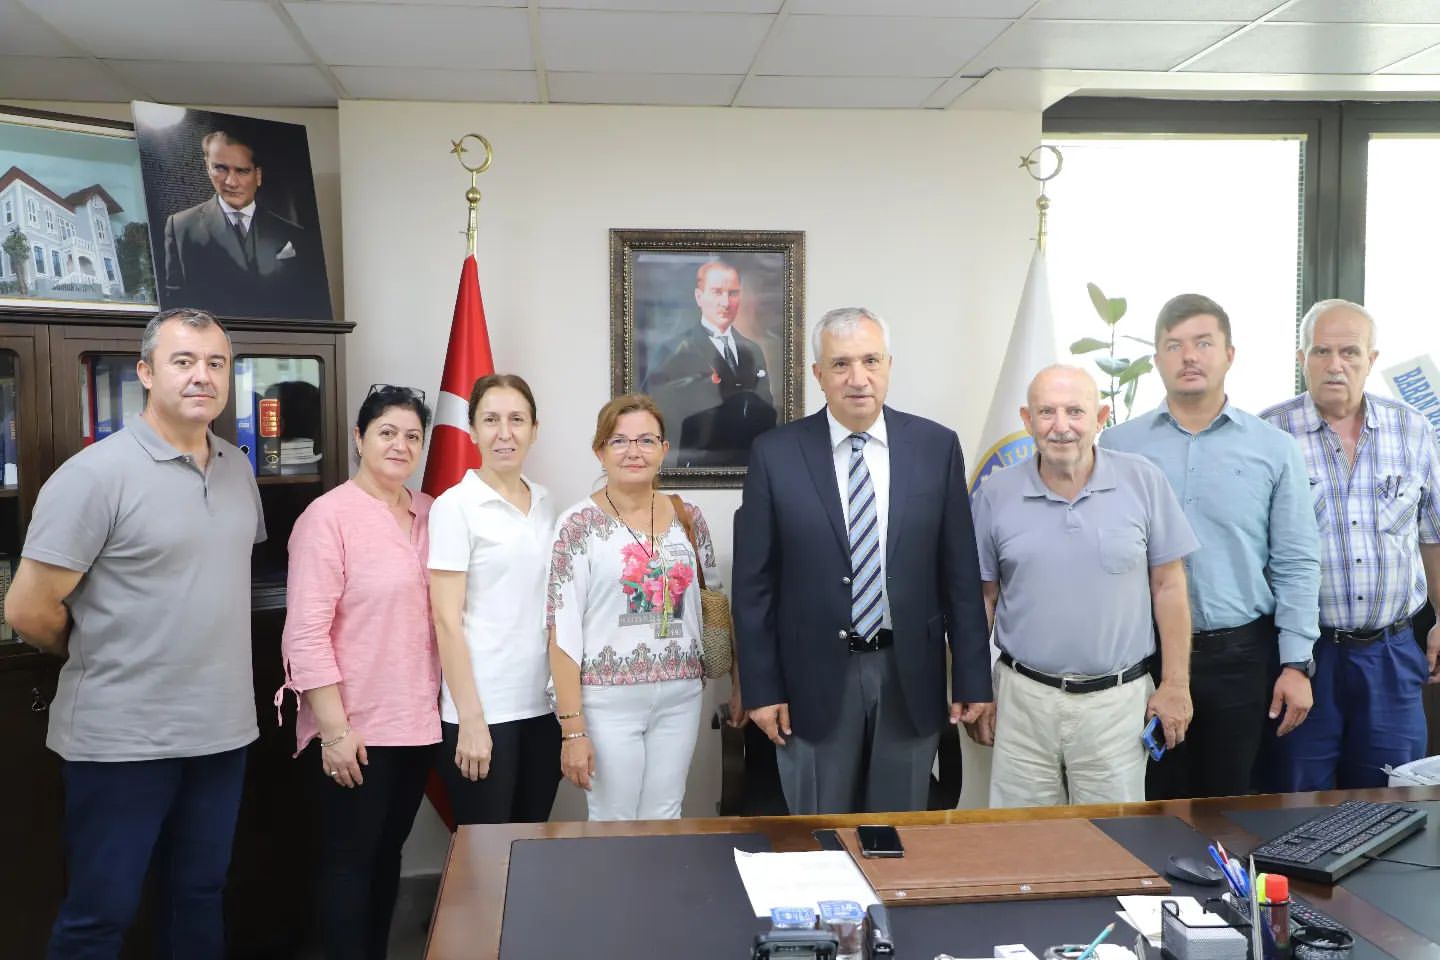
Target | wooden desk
(471,904)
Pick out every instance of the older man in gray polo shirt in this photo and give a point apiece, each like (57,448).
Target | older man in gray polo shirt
(1078,550)
(136,567)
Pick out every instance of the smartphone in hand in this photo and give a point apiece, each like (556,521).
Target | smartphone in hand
(1154,739)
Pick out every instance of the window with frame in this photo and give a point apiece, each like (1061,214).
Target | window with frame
(39,259)
(9,211)
(49,219)
(32,211)
(55,263)
(109,270)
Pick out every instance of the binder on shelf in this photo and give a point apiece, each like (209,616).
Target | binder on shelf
(7,632)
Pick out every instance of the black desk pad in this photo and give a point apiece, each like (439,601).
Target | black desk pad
(1409,894)
(616,898)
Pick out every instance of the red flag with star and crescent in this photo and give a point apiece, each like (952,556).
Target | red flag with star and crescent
(452,452)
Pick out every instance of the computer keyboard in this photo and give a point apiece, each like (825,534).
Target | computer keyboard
(1331,845)
(1301,915)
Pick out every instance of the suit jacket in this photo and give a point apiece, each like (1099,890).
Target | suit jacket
(792,564)
(278,272)
(692,376)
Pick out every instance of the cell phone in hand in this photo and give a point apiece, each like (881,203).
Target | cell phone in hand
(880,841)
(1154,739)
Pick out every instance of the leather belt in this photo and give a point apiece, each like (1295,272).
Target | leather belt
(1361,638)
(883,638)
(1078,684)
(1204,641)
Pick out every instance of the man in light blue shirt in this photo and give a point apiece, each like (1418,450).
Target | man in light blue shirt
(1254,582)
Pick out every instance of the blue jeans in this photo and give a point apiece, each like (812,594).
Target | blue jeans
(119,817)
(1368,712)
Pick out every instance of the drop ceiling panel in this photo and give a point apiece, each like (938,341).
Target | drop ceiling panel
(235,84)
(1368,11)
(45,78)
(393,83)
(874,46)
(1317,48)
(670,6)
(1153,9)
(971,9)
(24,34)
(364,34)
(1081,45)
(586,41)
(665,89)
(852,92)
(196,30)
(1425,62)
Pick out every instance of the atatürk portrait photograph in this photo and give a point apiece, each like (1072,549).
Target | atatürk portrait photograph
(233,221)
(708,323)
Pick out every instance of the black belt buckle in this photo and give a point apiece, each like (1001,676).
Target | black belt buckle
(1363,638)
(882,639)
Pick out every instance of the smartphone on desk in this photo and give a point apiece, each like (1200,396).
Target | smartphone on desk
(1153,739)
(880,841)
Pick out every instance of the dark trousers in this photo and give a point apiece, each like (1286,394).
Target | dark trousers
(1368,712)
(360,831)
(177,813)
(1230,689)
(524,772)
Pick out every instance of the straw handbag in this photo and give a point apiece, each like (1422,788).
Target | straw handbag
(717,630)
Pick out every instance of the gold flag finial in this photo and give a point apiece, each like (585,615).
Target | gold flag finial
(472,195)
(1031,164)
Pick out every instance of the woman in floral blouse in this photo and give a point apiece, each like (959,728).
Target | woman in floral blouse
(623,609)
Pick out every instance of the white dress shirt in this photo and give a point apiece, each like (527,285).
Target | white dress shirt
(877,459)
(720,339)
(247,213)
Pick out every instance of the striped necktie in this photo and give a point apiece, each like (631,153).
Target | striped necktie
(867,600)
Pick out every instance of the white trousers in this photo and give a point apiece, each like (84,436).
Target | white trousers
(644,736)
(1054,748)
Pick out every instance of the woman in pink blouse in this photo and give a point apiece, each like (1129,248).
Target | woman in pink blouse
(359,648)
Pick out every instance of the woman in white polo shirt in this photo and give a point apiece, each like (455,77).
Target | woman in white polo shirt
(490,537)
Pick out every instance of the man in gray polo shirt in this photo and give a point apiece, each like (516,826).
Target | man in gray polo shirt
(1078,550)
(136,568)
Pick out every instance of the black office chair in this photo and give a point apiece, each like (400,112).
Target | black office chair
(750,779)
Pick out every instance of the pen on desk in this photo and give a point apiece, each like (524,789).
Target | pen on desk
(1090,950)
(1224,869)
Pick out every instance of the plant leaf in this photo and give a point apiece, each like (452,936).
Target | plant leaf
(1116,308)
(1130,393)
(1135,370)
(1087,344)
(1098,298)
(1107,394)
(1112,365)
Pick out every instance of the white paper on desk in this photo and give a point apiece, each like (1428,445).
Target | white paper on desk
(801,879)
(1144,914)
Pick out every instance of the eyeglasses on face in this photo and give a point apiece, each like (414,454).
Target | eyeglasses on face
(647,442)
(412,391)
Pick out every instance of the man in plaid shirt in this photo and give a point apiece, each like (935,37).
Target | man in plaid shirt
(1374,469)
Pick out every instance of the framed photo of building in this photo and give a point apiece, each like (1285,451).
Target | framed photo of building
(709,323)
(73,231)
(234,226)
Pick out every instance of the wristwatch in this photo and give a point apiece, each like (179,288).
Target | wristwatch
(1306,667)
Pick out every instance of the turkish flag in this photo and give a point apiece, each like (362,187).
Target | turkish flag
(452,452)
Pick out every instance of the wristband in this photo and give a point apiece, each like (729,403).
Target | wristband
(569,716)
(326,744)
(574,736)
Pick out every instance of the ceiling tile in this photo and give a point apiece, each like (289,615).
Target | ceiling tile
(874,46)
(44,78)
(364,34)
(592,41)
(228,84)
(836,91)
(395,83)
(156,30)
(670,6)
(1153,9)
(1080,45)
(433,3)
(23,33)
(1317,48)
(1425,62)
(971,9)
(1371,11)
(665,89)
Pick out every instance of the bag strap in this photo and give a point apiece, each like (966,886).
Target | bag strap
(684,517)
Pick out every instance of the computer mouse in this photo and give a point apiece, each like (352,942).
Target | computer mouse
(1195,870)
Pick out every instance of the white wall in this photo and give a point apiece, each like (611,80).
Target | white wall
(922,216)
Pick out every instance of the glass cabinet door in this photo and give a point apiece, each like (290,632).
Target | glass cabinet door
(24,438)
(110,394)
(279,417)
(11,519)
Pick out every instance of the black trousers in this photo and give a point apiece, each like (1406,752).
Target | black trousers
(1230,687)
(360,832)
(524,772)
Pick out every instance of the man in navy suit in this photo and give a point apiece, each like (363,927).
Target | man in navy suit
(855,569)
(235,258)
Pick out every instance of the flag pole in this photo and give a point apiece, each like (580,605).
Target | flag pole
(472,196)
(1031,162)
